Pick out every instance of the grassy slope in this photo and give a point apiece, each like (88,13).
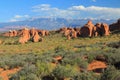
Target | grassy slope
(80,45)
(51,42)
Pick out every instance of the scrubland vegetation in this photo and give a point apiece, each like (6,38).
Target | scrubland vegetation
(38,61)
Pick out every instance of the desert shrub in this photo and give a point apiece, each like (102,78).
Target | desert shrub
(86,76)
(32,76)
(67,71)
(31,58)
(47,57)
(91,57)
(59,49)
(75,61)
(110,74)
(2,64)
(12,61)
(27,73)
(44,69)
(113,57)
(114,44)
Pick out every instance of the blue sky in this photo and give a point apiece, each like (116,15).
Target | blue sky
(16,10)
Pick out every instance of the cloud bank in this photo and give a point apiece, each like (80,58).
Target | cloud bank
(80,11)
(73,12)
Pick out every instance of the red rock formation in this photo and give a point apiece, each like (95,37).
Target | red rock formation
(102,29)
(32,32)
(115,26)
(105,29)
(96,65)
(62,30)
(41,32)
(77,31)
(6,34)
(87,29)
(46,32)
(0,41)
(58,58)
(68,37)
(36,37)
(73,33)
(14,33)
(98,30)
(67,32)
(25,36)
(4,74)
(11,33)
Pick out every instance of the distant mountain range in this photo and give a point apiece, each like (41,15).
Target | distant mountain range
(49,23)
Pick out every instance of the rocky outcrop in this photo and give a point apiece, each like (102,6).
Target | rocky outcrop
(73,34)
(91,30)
(32,32)
(36,37)
(96,65)
(115,26)
(0,41)
(105,29)
(102,29)
(25,36)
(43,32)
(87,30)
(70,33)
(11,33)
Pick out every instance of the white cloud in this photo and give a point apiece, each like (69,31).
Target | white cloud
(21,16)
(80,11)
(18,18)
(41,5)
(46,10)
(93,0)
(104,12)
(12,20)
(81,7)
(94,8)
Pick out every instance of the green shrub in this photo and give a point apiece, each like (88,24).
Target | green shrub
(44,69)
(67,71)
(114,44)
(76,61)
(27,73)
(111,74)
(59,49)
(87,76)
(113,56)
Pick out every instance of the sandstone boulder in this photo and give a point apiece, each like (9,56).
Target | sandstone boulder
(96,65)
